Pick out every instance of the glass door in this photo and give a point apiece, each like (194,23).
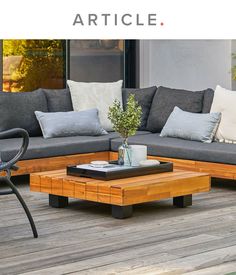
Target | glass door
(32,64)
(26,65)
(96,60)
(103,61)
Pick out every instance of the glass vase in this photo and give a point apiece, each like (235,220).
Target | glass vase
(124,153)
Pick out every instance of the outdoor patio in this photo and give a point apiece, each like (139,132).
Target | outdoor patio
(84,239)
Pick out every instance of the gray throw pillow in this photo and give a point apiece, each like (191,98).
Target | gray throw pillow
(59,100)
(144,97)
(164,101)
(17,110)
(65,124)
(191,126)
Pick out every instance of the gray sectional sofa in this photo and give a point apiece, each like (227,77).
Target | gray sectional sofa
(17,110)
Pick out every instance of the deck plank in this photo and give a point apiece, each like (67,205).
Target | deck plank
(84,239)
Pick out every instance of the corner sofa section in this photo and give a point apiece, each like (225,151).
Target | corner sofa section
(218,159)
(183,149)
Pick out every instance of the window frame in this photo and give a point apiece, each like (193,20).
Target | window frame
(1,64)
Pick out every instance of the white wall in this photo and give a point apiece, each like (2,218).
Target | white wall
(187,64)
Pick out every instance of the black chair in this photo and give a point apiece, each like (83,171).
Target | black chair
(10,165)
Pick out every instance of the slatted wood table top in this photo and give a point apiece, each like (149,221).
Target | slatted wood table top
(121,192)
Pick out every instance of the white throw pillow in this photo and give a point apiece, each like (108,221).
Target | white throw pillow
(96,95)
(224,101)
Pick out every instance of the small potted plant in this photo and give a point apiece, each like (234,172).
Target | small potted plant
(125,122)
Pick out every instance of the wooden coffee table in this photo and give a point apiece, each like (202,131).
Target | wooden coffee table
(122,194)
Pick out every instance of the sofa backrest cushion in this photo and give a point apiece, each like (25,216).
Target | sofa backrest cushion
(144,97)
(207,100)
(224,102)
(100,95)
(58,100)
(17,110)
(164,101)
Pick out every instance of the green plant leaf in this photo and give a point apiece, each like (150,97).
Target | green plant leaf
(125,122)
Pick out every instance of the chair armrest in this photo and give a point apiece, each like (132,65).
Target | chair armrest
(25,142)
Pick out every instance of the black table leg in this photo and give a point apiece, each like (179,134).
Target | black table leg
(121,212)
(183,201)
(58,201)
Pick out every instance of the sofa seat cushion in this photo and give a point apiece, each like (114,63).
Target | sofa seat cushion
(183,149)
(43,148)
(113,135)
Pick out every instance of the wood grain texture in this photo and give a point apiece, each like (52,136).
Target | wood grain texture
(84,239)
(122,192)
(216,170)
(55,163)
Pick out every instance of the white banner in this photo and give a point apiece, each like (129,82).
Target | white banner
(107,19)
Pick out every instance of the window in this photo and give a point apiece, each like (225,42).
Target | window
(104,61)
(96,60)
(30,64)
(26,65)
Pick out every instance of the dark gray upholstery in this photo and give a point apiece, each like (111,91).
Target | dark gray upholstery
(42,148)
(164,101)
(207,100)
(183,149)
(144,97)
(17,110)
(59,100)
(116,135)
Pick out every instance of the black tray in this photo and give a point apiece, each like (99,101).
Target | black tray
(120,173)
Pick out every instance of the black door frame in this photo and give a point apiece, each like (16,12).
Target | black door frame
(132,64)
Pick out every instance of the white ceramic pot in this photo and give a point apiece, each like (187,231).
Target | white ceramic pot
(138,153)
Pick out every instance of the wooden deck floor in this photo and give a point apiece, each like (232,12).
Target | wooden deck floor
(85,239)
